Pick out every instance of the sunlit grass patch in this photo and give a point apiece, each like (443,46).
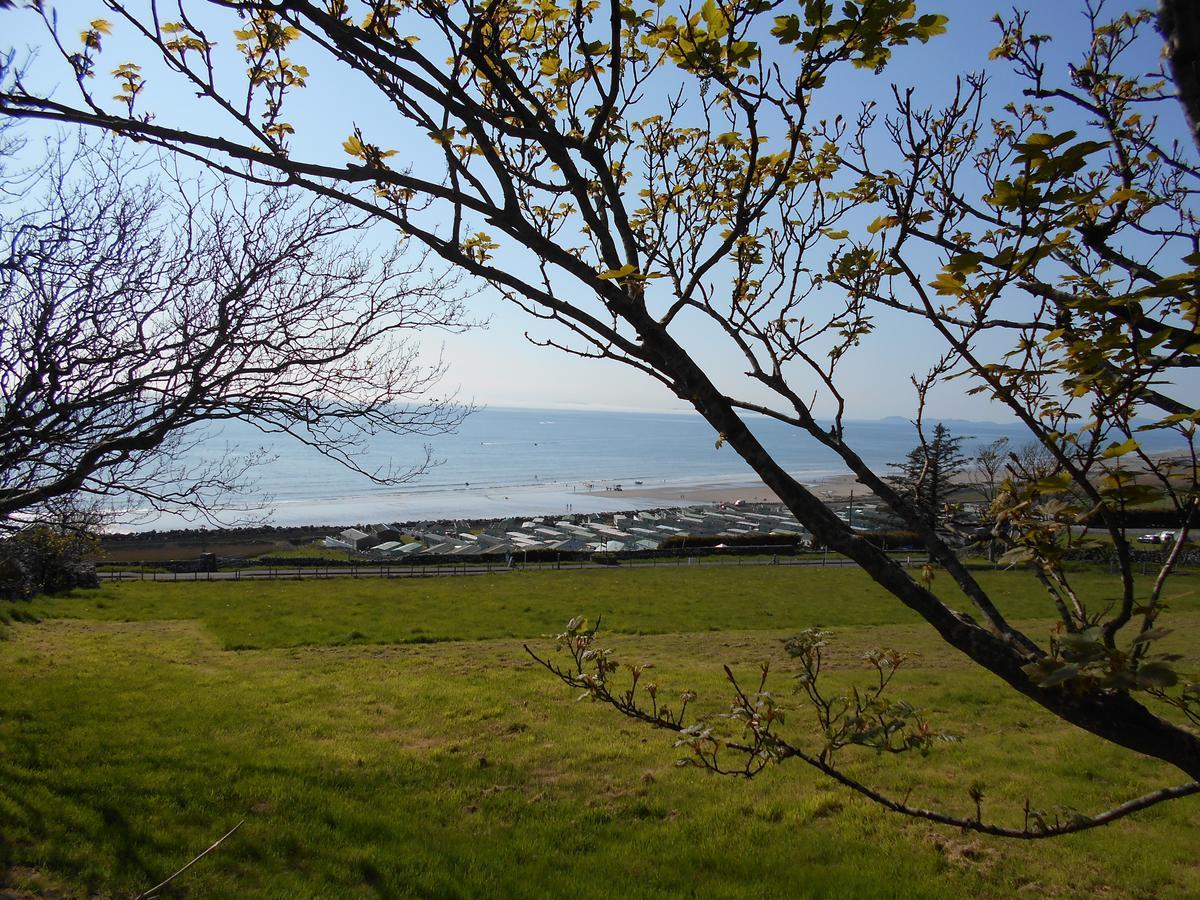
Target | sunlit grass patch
(133,737)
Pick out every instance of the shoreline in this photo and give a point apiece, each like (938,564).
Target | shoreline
(749,490)
(490,504)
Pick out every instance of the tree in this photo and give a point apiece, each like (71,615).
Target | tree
(1031,462)
(990,463)
(49,557)
(926,477)
(1179,23)
(647,179)
(990,466)
(133,315)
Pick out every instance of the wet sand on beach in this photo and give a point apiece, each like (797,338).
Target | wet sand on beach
(750,491)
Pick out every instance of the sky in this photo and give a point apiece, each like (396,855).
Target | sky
(495,364)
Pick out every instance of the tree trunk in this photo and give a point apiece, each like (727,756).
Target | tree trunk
(1179,24)
(1116,717)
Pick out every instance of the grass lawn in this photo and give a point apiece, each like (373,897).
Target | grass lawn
(390,738)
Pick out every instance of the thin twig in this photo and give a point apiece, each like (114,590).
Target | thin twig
(781,750)
(153,892)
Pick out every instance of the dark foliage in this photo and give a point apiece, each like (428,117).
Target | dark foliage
(788,542)
(42,559)
(926,476)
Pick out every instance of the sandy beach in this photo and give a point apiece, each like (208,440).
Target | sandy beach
(751,491)
(525,500)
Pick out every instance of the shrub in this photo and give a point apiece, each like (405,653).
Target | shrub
(45,560)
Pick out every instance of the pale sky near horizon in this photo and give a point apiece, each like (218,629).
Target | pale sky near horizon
(496,366)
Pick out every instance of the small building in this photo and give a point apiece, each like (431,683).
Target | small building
(357,540)
(386,548)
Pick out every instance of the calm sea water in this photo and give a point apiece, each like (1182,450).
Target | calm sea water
(511,447)
(517,462)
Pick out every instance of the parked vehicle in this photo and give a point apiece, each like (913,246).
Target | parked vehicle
(1163,537)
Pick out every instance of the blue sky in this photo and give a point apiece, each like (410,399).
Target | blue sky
(495,364)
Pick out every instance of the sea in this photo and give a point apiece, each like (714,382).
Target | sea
(504,462)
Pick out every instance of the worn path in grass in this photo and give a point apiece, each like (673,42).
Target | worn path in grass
(131,736)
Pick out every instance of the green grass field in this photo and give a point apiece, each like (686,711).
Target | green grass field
(390,738)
